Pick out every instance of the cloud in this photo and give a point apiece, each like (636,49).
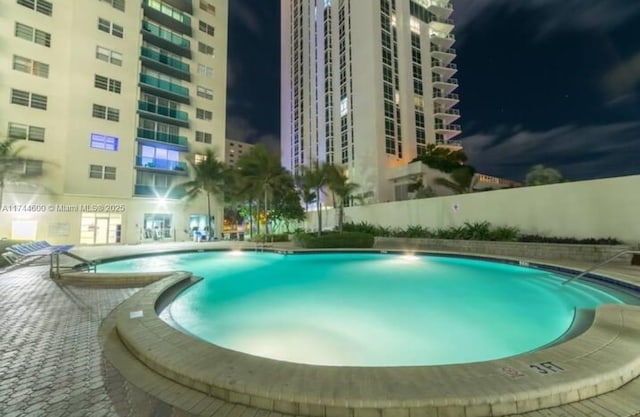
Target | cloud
(624,77)
(240,128)
(555,15)
(247,16)
(578,152)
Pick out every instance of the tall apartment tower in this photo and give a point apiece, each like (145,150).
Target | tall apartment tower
(366,85)
(108,98)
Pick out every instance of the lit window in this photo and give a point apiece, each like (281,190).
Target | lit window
(344,106)
(107,143)
(29,66)
(204,93)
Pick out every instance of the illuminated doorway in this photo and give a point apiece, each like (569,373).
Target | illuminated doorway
(100,228)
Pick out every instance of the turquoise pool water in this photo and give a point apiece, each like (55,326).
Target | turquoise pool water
(365,309)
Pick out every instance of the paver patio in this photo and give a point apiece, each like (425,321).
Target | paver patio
(51,362)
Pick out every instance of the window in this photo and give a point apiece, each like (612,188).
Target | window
(107,55)
(198,158)
(100,172)
(169,11)
(32,167)
(203,114)
(109,173)
(24,132)
(95,171)
(107,143)
(108,84)
(33,35)
(104,112)
(25,98)
(203,137)
(108,27)
(23,64)
(205,70)
(40,6)
(205,93)
(205,49)
(208,7)
(206,28)
(116,4)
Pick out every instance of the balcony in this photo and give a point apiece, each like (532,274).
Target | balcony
(173,19)
(166,39)
(165,64)
(447,131)
(444,83)
(443,40)
(178,143)
(446,114)
(178,167)
(444,100)
(165,88)
(442,8)
(445,55)
(164,114)
(175,193)
(441,23)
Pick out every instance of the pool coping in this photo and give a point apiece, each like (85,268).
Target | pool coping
(597,361)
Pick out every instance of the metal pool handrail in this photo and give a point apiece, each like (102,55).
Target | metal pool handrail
(606,261)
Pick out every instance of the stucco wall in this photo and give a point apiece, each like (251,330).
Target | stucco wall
(598,208)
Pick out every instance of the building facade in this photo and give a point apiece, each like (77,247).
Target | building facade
(366,85)
(108,99)
(234,149)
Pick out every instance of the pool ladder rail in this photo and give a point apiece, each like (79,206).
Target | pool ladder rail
(606,261)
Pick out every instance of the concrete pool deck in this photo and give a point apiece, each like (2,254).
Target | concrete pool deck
(45,363)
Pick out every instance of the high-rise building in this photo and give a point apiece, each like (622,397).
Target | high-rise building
(108,98)
(234,149)
(366,85)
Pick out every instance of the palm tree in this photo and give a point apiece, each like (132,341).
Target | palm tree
(441,158)
(462,180)
(316,177)
(339,184)
(208,176)
(541,175)
(305,192)
(11,164)
(265,174)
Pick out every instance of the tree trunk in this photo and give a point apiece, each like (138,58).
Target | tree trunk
(266,213)
(340,216)
(209,215)
(319,207)
(257,216)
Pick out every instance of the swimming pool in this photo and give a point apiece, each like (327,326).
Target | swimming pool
(369,309)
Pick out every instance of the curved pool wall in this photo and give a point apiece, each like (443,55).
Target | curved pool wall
(600,360)
(355,309)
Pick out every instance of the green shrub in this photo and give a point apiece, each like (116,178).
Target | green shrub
(504,234)
(334,240)
(283,237)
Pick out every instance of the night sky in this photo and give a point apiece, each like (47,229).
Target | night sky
(553,82)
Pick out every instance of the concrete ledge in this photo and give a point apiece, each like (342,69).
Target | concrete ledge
(529,250)
(599,360)
(100,279)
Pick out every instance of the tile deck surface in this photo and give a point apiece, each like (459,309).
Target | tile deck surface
(51,362)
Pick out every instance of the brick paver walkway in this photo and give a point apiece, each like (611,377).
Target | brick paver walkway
(50,359)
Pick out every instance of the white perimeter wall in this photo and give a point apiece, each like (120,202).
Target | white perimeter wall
(597,208)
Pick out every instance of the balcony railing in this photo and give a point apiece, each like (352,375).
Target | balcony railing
(159,192)
(163,111)
(439,19)
(450,96)
(163,164)
(166,35)
(164,85)
(162,137)
(436,63)
(164,59)
(442,110)
(444,126)
(436,48)
(443,35)
(437,78)
(174,14)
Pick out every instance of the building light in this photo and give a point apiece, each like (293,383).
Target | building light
(344,107)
